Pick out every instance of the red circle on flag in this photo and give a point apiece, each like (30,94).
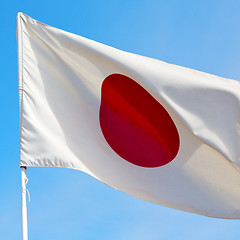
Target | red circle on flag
(135,125)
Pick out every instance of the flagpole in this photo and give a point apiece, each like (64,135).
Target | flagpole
(24,203)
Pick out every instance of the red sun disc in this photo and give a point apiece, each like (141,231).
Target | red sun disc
(135,125)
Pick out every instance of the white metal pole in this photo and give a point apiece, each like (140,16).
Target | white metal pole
(24,204)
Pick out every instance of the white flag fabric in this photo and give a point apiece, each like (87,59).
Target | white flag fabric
(159,132)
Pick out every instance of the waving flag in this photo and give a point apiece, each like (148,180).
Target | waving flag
(159,132)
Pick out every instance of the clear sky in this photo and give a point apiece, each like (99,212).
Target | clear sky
(68,204)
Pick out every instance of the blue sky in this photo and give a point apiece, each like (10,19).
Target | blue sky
(68,204)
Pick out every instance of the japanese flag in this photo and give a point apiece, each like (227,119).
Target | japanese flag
(159,132)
